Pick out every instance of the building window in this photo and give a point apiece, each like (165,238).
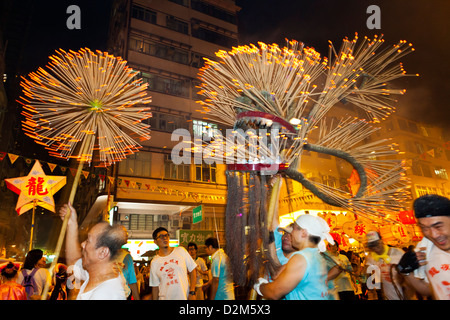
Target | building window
(435,152)
(324,156)
(419,148)
(173,171)
(441,173)
(159,50)
(203,128)
(143,14)
(421,169)
(212,36)
(423,131)
(205,172)
(416,170)
(177,25)
(330,181)
(426,170)
(413,127)
(148,222)
(410,147)
(181,2)
(167,122)
(136,164)
(213,11)
(197,60)
(176,87)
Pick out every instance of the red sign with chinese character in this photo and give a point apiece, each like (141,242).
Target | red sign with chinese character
(36,189)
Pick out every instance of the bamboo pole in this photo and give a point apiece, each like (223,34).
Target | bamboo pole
(273,204)
(62,234)
(32,225)
(275,194)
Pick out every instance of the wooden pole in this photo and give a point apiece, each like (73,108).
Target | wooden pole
(62,234)
(275,194)
(273,204)
(32,225)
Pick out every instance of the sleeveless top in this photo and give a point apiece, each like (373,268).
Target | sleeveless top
(312,286)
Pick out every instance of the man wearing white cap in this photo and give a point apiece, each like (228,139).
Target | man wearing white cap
(304,275)
(385,258)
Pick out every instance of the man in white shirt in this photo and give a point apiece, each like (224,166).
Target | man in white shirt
(169,270)
(385,258)
(222,282)
(202,270)
(94,261)
(431,265)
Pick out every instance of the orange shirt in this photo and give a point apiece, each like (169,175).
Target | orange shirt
(12,291)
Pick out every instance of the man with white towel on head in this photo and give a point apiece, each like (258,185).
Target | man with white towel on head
(304,276)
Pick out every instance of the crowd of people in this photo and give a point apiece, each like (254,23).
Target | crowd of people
(312,266)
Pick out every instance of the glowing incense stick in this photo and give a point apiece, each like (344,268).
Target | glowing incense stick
(296,83)
(86,98)
(85,93)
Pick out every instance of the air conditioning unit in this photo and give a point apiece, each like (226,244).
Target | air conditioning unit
(186,226)
(164,217)
(175,223)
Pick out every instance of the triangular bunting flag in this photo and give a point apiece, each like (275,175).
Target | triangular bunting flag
(52,166)
(12,157)
(73,171)
(111,179)
(431,152)
(85,174)
(2,155)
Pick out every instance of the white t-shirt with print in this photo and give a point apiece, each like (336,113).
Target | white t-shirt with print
(385,268)
(202,266)
(437,270)
(169,273)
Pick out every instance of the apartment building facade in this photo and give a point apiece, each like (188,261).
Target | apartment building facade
(427,154)
(165,42)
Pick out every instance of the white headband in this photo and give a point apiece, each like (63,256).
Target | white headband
(316,226)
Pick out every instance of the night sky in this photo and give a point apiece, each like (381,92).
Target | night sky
(424,23)
(49,31)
